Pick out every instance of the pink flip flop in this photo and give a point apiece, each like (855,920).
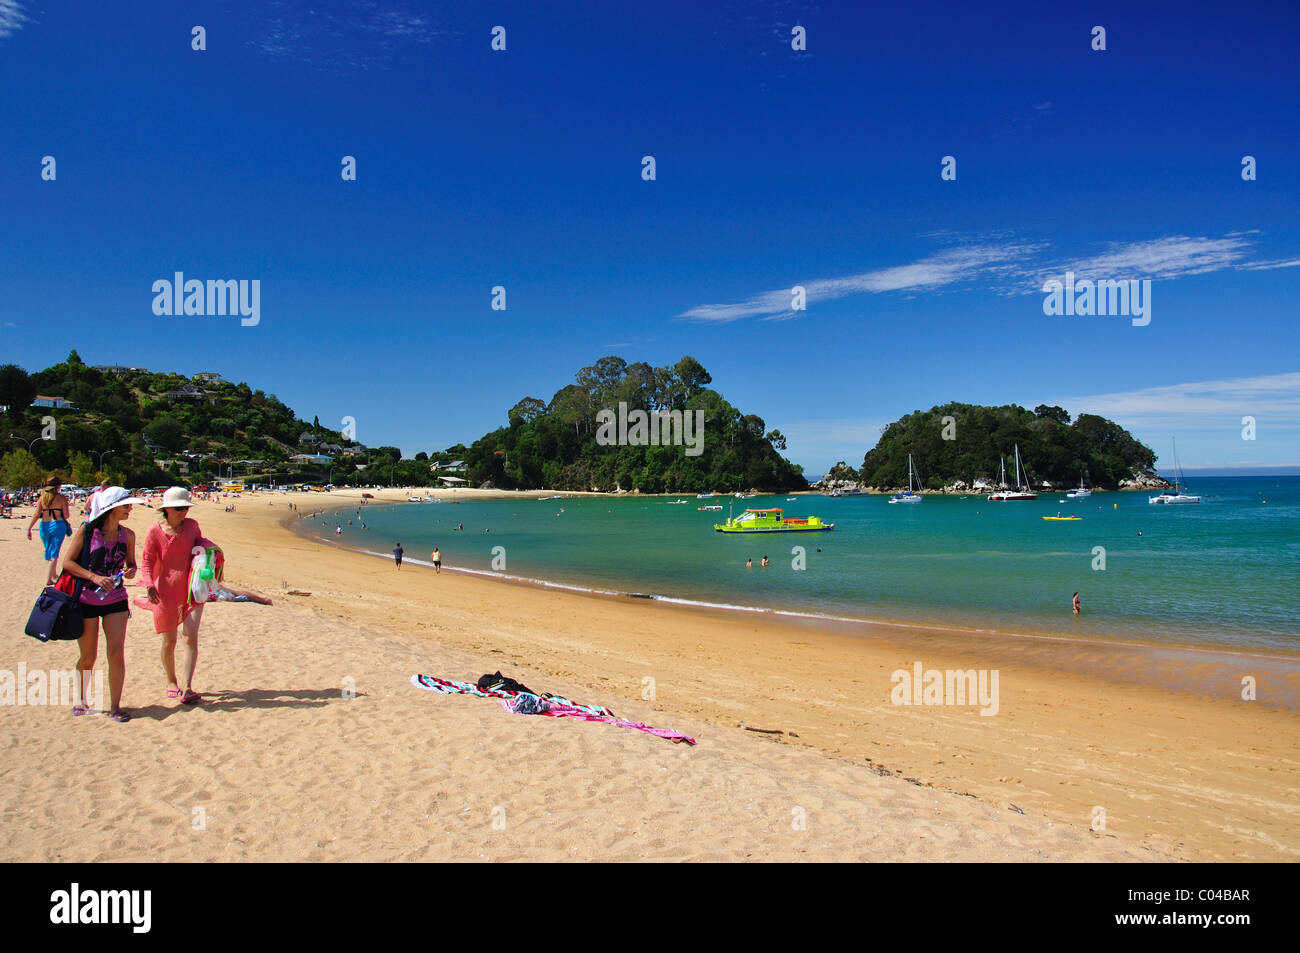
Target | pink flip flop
(173,693)
(191,697)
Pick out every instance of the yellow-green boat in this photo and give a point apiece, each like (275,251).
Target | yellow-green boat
(772,521)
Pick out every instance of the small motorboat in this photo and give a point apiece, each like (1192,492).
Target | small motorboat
(772,521)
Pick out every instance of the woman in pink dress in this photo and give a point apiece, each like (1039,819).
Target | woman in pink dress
(169,550)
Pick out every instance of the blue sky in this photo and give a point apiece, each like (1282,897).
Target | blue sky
(775,168)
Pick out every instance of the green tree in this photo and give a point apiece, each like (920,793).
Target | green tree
(526,411)
(1059,414)
(17,389)
(81,469)
(167,431)
(19,469)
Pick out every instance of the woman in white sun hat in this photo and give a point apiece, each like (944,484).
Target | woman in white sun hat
(109,561)
(169,550)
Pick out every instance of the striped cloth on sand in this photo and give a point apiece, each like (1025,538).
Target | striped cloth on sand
(554,706)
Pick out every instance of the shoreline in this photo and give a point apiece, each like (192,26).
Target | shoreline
(832,621)
(1155,685)
(1073,765)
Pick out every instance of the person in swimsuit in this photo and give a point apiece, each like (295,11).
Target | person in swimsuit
(112,551)
(436,556)
(397,555)
(167,559)
(52,511)
(1077,607)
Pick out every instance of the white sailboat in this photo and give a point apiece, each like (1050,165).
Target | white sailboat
(1082,493)
(911,496)
(1176,494)
(1021,492)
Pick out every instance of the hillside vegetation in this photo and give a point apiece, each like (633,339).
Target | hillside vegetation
(1052,448)
(553,444)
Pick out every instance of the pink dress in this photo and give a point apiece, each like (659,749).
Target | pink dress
(165,565)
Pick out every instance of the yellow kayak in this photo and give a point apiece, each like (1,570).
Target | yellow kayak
(1062,519)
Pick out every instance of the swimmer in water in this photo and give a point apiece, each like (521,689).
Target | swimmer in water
(1077,607)
(749,563)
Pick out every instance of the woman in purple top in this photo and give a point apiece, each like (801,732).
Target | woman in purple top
(103,596)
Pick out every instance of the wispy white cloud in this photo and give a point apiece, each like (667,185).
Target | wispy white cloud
(369,34)
(1277,395)
(1270,265)
(1206,418)
(1171,257)
(1006,267)
(825,440)
(931,273)
(11,17)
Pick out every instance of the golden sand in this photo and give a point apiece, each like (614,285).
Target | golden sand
(279,764)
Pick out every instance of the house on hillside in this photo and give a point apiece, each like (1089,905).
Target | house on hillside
(309,438)
(208,377)
(189,394)
(301,458)
(44,401)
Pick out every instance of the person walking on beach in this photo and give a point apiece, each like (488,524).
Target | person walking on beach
(111,552)
(397,555)
(1077,607)
(52,511)
(90,500)
(436,556)
(168,555)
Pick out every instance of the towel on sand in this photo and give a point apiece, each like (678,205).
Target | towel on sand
(554,706)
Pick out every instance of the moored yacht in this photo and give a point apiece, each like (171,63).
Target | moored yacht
(1021,492)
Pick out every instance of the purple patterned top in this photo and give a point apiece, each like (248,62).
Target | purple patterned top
(105,560)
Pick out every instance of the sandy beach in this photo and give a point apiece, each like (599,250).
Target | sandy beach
(1083,761)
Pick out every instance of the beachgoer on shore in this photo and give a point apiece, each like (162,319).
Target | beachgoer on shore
(169,550)
(110,561)
(52,510)
(1077,607)
(90,500)
(436,556)
(397,555)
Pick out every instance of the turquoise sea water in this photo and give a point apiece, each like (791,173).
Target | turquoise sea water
(1221,573)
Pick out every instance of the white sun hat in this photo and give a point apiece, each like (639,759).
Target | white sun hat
(176,496)
(106,500)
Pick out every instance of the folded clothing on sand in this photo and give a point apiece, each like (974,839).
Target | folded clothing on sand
(552,705)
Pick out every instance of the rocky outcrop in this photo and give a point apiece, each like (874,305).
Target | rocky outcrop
(1144,480)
